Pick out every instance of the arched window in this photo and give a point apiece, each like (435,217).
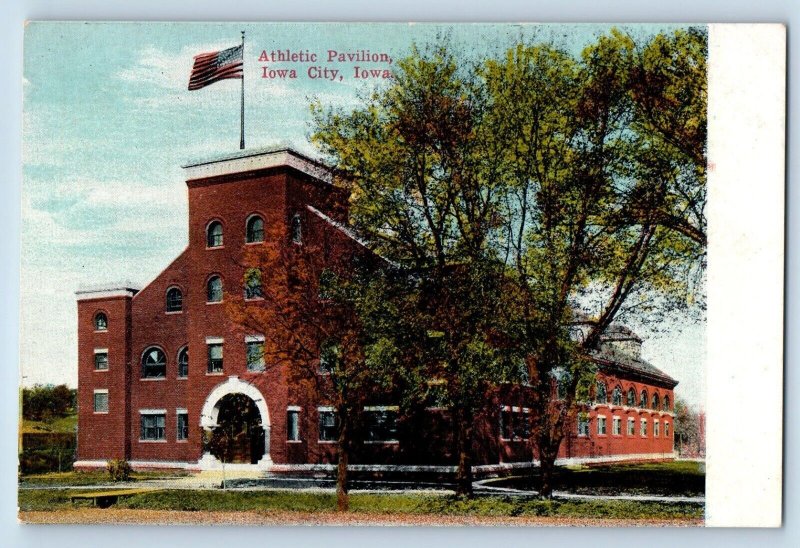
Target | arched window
(643,399)
(100,322)
(562,378)
(214,234)
(655,402)
(183,362)
(631,401)
(329,356)
(174,300)
(255,229)
(214,289)
(297,229)
(666,403)
(252,284)
(601,395)
(616,396)
(154,363)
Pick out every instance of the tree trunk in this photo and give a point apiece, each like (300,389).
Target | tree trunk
(342,496)
(464,451)
(547,466)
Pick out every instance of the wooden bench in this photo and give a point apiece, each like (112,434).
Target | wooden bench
(104,499)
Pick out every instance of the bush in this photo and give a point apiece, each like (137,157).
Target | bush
(119,470)
(42,460)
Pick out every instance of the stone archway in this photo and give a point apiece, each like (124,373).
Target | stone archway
(209,416)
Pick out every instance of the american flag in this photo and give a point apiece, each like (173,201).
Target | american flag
(216,65)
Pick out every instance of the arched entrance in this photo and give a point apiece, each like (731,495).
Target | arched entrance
(236,427)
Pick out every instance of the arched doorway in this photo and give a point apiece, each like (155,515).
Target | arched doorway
(236,427)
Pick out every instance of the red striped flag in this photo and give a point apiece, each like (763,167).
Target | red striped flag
(215,66)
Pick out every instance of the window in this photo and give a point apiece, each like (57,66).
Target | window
(255,229)
(174,300)
(514,424)
(666,403)
(617,426)
(183,362)
(380,423)
(562,378)
(583,425)
(215,358)
(154,363)
(631,402)
(152,426)
(214,289)
(643,399)
(252,284)
(293,424)
(631,427)
(214,234)
(656,429)
(297,229)
(101,401)
(255,355)
(644,427)
(328,357)
(101,360)
(601,396)
(616,396)
(666,429)
(601,425)
(100,322)
(655,402)
(183,425)
(328,425)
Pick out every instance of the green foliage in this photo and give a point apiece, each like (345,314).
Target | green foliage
(119,470)
(47,402)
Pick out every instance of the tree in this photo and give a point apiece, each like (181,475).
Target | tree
(689,438)
(424,192)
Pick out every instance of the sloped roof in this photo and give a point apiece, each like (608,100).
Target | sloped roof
(614,360)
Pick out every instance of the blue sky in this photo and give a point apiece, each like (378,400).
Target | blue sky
(108,121)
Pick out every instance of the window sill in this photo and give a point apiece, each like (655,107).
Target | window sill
(256,370)
(152,441)
(253,299)
(100,413)
(101,330)
(173,312)
(213,302)
(215,374)
(254,243)
(215,247)
(101,370)
(295,441)
(379,442)
(182,441)
(181,378)
(327,442)
(150,379)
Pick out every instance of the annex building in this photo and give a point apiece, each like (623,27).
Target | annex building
(162,366)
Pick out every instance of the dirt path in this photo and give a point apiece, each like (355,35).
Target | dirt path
(171,517)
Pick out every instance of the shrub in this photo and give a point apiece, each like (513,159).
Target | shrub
(119,470)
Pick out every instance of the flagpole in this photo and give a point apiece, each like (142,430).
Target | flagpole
(241,134)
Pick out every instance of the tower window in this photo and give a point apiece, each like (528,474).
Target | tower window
(154,363)
(100,322)
(255,229)
(297,229)
(214,289)
(215,358)
(214,234)
(183,362)
(174,300)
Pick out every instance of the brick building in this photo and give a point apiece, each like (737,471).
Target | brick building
(159,366)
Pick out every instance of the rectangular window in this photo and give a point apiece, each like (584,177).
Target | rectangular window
(601,425)
(101,401)
(666,429)
(506,425)
(183,425)
(631,427)
(153,426)
(255,356)
(293,425)
(381,424)
(617,426)
(215,358)
(101,360)
(656,429)
(583,426)
(328,425)
(644,427)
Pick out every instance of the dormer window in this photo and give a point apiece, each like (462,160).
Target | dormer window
(174,300)
(297,229)
(100,322)
(214,234)
(255,229)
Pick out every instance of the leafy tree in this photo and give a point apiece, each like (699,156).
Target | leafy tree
(688,433)
(46,402)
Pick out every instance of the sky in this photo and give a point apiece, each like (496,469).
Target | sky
(108,122)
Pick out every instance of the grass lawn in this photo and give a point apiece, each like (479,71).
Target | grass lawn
(677,478)
(61,425)
(58,479)
(404,504)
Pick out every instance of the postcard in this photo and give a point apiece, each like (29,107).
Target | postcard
(403,274)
